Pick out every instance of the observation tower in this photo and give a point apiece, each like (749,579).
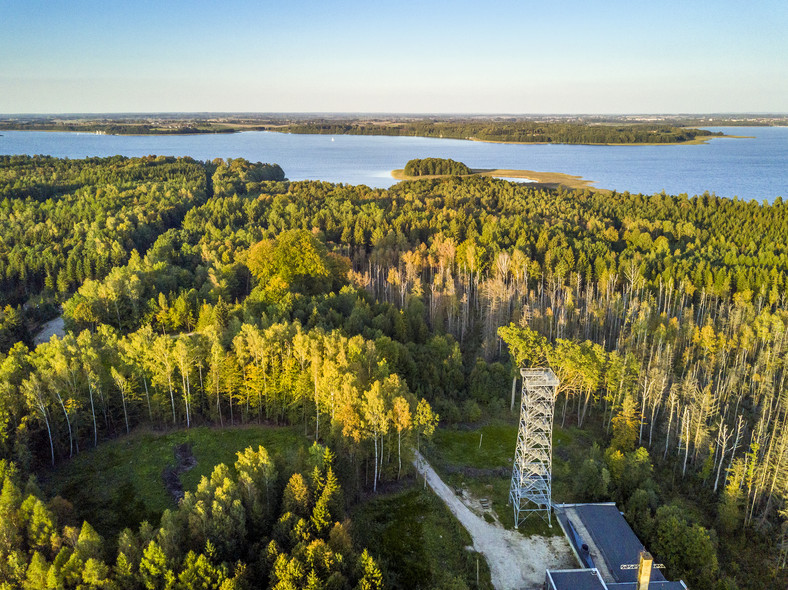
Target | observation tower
(531,487)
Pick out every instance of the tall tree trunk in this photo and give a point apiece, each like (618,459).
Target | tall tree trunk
(93,414)
(317,411)
(722,458)
(68,423)
(566,402)
(172,396)
(43,411)
(185,396)
(147,398)
(399,453)
(218,403)
(375,482)
(103,407)
(642,415)
(739,428)
(686,444)
(125,414)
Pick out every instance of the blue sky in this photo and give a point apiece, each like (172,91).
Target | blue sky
(636,56)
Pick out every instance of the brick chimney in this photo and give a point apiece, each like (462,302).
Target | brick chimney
(644,570)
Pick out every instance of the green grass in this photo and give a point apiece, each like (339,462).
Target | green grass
(119,483)
(462,448)
(417,541)
(485,470)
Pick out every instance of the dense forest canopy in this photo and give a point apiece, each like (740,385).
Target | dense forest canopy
(66,221)
(62,221)
(436,166)
(363,317)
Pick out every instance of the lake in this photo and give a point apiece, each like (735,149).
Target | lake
(755,168)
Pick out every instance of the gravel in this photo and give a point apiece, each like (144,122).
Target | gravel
(515,561)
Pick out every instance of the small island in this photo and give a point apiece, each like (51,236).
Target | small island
(431,168)
(436,167)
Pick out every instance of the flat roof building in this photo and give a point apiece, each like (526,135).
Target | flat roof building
(585,579)
(612,556)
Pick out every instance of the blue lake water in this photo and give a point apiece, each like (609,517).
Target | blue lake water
(754,168)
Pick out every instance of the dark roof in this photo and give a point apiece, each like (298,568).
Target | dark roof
(587,579)
(652,585)
(615,540)
(600,536)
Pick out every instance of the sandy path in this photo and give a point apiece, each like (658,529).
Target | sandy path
(49,329)
(516,562)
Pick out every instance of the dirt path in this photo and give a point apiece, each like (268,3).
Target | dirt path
(516,562)
(49,329)
(184,461)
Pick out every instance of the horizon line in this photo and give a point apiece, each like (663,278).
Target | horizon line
(403,113)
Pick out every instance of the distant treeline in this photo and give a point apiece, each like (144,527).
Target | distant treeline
(519,131)
(504,131)
(435,166)
(115,128)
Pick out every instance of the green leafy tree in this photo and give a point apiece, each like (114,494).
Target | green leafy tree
(625,426)
(687,549)
(425,421)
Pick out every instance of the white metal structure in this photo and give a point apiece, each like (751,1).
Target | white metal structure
(531,488)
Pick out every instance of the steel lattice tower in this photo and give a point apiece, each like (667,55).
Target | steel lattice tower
(531,488)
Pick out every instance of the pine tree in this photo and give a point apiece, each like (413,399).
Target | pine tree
(37,573)
(370,576)
(10,524)
(296,496)
(154,570)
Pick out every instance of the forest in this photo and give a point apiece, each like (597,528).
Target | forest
(435,167)
(515,131)
(119,126)
(592,130)
(219,293)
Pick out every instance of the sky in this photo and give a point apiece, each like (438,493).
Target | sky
(611,57)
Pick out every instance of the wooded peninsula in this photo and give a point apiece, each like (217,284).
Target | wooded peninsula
(574,130)
(293,344)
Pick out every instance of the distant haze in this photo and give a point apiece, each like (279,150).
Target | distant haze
(461,57)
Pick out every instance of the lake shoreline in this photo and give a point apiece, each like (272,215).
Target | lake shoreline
(271,129)
(754,169)
(697,141)
(550,180)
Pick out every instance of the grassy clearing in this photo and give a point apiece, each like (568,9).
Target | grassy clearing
(418,542)
(485,469)
(119,483)
(487,446)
